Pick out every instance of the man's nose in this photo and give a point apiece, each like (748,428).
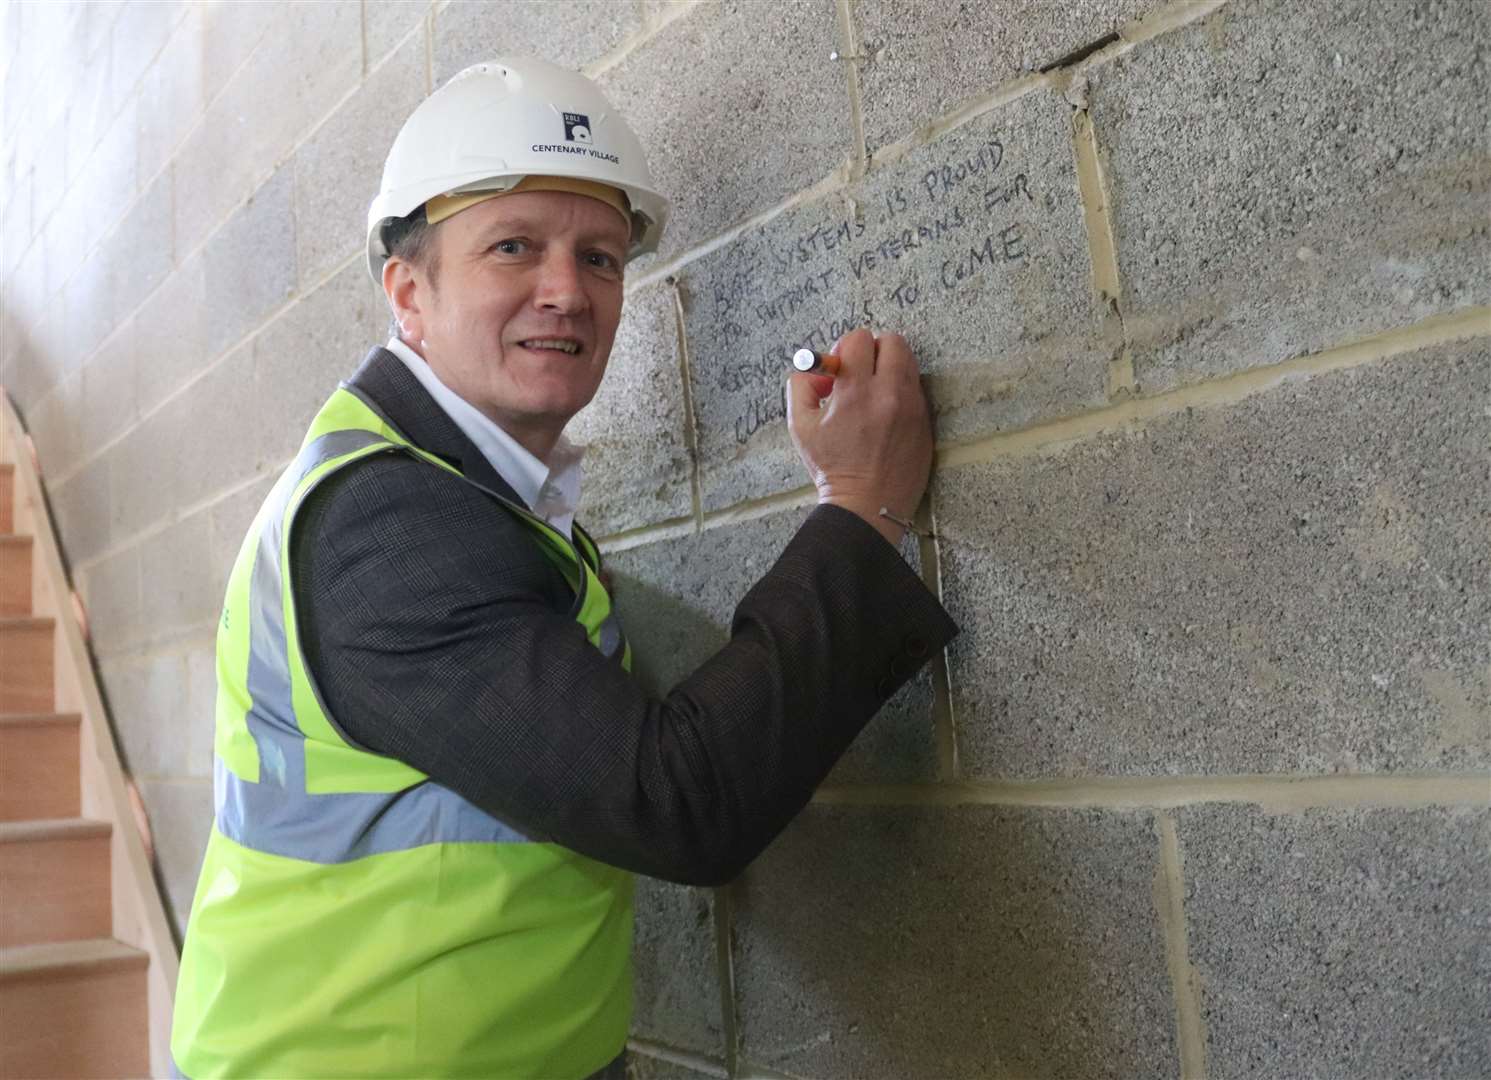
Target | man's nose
(560,287)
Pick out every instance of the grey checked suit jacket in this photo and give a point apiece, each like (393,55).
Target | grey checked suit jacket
(439,634)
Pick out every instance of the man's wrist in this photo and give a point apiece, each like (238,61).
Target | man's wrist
(871,515)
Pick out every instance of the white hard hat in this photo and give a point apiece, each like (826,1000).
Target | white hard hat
(495,123)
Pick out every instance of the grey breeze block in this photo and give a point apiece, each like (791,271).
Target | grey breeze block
(1341,943)
(1292,583)
(964,941)
(1286,177)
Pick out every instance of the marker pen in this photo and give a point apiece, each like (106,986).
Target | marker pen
(815,363)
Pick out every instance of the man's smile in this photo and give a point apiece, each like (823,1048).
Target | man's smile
(566,345)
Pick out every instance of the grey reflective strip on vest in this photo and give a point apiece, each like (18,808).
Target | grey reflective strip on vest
(342,827)
(611,641)
(277,815)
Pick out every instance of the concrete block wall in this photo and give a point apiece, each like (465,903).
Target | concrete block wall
(1199,291)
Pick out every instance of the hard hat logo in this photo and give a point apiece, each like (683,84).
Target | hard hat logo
(577,127)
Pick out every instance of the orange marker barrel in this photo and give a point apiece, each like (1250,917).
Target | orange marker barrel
(816,363)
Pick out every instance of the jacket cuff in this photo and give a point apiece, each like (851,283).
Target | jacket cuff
(888,594)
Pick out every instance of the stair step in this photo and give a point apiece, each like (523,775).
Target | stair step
(26,671)
(15,575)
(42,830)
(39,766)
(55,877)
(7,498)
(74,1009)
(54,958)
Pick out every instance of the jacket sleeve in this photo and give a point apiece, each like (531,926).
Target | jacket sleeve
(431,624)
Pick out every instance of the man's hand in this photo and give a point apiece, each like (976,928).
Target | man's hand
(868,443)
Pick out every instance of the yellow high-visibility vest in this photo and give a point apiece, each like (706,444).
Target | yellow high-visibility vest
(353,917)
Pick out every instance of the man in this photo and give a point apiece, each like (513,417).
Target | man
(435,775)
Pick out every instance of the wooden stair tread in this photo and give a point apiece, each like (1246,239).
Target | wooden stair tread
(75,828)
(41,719)
(69,957)
(25,621)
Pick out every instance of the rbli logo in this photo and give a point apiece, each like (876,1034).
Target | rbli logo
(577,127)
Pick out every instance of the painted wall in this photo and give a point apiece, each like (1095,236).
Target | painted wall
(1200,294)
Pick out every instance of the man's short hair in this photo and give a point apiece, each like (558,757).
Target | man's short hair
(412,239)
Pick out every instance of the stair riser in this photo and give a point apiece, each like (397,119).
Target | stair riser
(55,890)
(26,671)
(38,771)
(15,577)
(90,1024)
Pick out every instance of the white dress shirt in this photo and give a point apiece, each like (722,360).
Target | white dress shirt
(550,489)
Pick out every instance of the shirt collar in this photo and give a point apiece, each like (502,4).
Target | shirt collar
(550,489)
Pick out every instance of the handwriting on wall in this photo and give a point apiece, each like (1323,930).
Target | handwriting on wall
(909,244)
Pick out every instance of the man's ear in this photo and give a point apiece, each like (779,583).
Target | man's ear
(405,287)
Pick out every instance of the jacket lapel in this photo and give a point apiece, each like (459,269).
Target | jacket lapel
(384,381)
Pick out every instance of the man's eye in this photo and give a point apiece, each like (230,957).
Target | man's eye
(510,247)
(604,260)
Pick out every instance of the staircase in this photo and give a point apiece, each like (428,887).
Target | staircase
(87,961)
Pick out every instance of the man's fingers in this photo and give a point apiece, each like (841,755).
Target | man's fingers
(894,357)
(803,399)
(862,353)
(856,353)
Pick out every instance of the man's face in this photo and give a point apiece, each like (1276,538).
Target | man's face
(523,310)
